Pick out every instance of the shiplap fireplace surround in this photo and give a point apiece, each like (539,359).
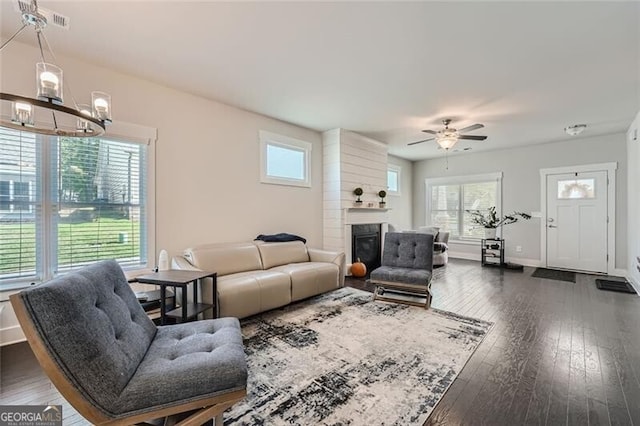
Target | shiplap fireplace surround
(351,160)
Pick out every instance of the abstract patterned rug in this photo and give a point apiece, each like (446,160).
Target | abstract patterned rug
(342,359)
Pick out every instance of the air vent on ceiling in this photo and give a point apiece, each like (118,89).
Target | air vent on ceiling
(53,18)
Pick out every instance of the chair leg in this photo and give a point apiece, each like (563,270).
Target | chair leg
(218,420)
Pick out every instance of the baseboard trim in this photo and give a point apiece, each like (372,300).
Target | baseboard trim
(618,272)
(634,283)
(474,256)
(465,256)
(11,335)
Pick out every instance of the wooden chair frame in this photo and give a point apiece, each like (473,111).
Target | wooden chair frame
(202,410)
(410,290)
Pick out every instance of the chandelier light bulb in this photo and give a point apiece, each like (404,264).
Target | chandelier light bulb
(83,125)
(22,113)
(101,105)
(49,82)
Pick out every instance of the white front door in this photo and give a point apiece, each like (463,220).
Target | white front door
(576,222)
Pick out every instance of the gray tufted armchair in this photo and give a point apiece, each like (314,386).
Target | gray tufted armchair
(407,265)
(109,360)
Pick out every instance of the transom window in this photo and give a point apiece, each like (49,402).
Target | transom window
(284,160)
(68,202)
(448,200)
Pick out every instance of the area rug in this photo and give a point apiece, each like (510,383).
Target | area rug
(621,286)
(555,274)
(342,359)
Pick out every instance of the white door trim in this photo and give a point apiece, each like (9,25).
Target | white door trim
(610,168)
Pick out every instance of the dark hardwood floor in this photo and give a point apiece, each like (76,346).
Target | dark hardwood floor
(558,353)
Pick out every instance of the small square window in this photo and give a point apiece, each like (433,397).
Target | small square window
(284,160)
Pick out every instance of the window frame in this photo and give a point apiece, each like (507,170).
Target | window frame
(394,168)
(273,139)
(46,249)
(461,180)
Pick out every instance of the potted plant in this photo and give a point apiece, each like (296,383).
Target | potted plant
(358,192)
(382,194)
(490,220)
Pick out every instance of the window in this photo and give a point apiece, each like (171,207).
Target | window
(393,179)
(68,202)
(576,189)
(284,160)
(448,199)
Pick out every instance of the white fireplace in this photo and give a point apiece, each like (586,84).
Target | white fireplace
(363,216)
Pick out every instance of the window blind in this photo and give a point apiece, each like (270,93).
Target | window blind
(68,202)
(20,204)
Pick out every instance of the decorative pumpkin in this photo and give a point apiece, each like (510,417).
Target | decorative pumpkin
(358,269)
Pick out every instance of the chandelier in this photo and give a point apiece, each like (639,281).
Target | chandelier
(46,114)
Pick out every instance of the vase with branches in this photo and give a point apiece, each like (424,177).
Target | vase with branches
(491,221)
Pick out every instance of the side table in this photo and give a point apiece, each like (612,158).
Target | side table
(182,279)
(492,248)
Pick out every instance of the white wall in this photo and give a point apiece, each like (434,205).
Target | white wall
(521,187)
(401,213)
(207,158)
(207,172)
(633,193)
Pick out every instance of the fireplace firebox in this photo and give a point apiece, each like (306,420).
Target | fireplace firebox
(365,245)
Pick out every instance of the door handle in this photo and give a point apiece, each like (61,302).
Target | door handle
(552,226)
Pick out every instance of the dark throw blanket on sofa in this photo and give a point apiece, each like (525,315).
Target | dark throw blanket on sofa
(280,238)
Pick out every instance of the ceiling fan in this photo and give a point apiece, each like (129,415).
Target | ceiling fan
(449,136)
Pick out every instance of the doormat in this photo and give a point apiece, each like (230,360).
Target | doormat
(555,274)
(611,285)
(343,359)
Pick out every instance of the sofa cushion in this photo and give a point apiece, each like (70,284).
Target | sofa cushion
(310,278)
(225,258)
(192,360)
(401,275)
(276,254)
(248,293)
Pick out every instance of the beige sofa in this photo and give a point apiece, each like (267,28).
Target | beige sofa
(254,277)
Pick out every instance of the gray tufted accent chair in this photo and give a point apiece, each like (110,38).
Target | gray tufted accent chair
(111,362)
(407,265)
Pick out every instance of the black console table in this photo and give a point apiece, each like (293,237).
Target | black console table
(182,279)
(492,252)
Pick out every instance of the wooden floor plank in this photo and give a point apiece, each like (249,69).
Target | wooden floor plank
(558,352)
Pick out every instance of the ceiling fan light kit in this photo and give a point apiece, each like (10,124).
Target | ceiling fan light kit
(447,142)
(575,129)
(46,114)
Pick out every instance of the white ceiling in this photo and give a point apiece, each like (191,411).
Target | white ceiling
(384,69)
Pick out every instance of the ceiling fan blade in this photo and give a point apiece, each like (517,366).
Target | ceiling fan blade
(472,137)
(470,128)
(415,143)
(433,132)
